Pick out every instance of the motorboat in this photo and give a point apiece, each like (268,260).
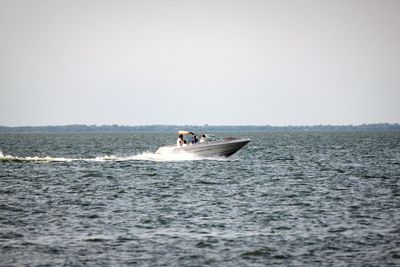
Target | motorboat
(208,146)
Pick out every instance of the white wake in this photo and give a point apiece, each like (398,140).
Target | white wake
(145,156)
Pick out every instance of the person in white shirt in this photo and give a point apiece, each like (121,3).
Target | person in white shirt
(179,141)
(203,138)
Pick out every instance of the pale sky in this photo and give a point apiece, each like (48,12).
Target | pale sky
(196,62)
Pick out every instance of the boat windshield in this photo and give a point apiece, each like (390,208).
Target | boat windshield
(211,137)
(189,136)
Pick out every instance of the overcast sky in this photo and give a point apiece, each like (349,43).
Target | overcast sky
(197,62)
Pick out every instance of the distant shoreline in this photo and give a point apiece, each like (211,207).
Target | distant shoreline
(80,128)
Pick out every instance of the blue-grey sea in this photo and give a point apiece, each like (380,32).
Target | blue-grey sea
(285,199)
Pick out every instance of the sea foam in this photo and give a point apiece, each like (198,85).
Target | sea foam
(144,156)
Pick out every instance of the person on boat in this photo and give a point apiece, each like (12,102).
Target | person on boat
(195,140)
(179,141)
(184,143)
(203,138)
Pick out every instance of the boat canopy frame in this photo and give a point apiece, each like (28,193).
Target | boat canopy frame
(185,132)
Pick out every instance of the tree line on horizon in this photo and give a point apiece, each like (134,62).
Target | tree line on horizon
(79,128)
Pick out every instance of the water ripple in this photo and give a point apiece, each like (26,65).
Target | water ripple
(317,199)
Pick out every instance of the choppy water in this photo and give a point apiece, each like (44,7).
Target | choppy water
(315,199)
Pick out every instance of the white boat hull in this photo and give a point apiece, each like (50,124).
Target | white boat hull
(225,148)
